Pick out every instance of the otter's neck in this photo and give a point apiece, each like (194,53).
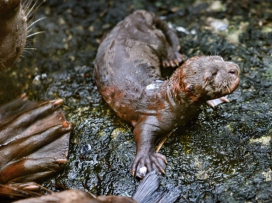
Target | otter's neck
(176,90)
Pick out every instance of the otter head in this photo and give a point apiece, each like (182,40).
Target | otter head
(13,32)
(208,77)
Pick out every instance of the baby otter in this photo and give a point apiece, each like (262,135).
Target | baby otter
(127,74)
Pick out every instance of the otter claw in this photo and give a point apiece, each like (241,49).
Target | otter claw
(23,96)
(172,64)
(173,61)
(165,63)
(179,57)
(176,62)
(61,161)
(57,102)
(224,99)
(65,124)
(31,187)
(162,171)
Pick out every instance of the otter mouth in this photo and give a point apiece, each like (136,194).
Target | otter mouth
(233,87)
(214,102)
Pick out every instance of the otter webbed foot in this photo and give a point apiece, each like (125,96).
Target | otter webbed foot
(145,162)
(34,141)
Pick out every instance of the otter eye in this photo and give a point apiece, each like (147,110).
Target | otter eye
(214,73)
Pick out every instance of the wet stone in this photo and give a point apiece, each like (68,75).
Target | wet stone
(85,149)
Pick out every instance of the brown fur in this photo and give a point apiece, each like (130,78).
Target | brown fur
(13,32)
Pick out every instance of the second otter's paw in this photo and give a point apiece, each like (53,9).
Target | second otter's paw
(173,60)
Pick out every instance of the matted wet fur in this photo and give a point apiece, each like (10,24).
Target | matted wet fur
(127,74)
(14,18)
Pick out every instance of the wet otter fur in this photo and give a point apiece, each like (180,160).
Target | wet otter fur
(127,73)
(13,34)
(15,21)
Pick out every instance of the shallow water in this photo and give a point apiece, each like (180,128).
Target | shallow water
(223,154)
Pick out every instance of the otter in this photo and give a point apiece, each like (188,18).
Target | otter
(34,136)
(127,73)
(13,23)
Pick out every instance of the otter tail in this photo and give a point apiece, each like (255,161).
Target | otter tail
(149,191)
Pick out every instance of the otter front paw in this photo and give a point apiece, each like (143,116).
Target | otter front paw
(173,60)
(148,161)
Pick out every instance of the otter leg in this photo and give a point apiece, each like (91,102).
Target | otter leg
(172,57)
(146,156)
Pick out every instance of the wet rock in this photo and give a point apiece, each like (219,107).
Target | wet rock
(218,24)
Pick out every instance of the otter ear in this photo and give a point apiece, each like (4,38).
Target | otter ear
(189,88)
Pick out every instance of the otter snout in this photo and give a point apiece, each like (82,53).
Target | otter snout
(233,71)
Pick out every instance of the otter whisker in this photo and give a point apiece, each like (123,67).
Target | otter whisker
(228,89)
(29,40)
(36,33)
(3,65)
(26,4)
(31,11)
(35,22)
(25,51)
(33,48)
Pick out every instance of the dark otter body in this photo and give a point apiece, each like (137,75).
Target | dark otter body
(127,73)
(13,34)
